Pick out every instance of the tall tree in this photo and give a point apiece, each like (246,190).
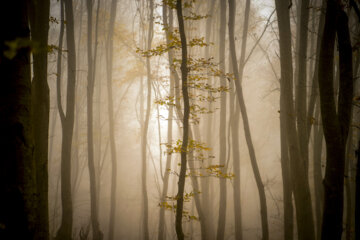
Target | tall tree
(97,234)
(17,169)
(300,184)
(67,122)
(185,121)
(169,25)
(145,126)
(301,89)
(240,97)
(205,182)
(39,22)
(222,126)
(336,119)
(109,66)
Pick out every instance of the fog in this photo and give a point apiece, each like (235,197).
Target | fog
(249,96)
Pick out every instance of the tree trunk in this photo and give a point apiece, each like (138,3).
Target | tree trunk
(300,183)
(17,169)
(97,234)
(235,119)
(109,66)
(238,78)
(335,123)
(357,196)
(205,182)
(184,87)
(145,128)
(169,24)
(317,159)
(39,22)
(301,89)
(222,127)
(67,122)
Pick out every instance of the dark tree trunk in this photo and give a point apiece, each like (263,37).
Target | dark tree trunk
(286,176)
(39,22)
(67,122)
(301,88)
(239,92)
(17,169)
(357,196)
(335,123)
(109,66)
(222,127)
(184,87)
(317,159)
(300,184)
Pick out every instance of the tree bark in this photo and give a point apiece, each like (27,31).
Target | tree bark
(300,184)
(317,159)
(357,196)
(335,123)
(39,22)
(301,89)
(235,119)
(17,170)
(184,87)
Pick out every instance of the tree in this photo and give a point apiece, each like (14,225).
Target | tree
(185,121)
(109,65)
(167,24)
(335,122)
(17,170)
(145,127)
(97,234)
(67,122)
(222,127)
(39,22)
(239,93)
(300,184)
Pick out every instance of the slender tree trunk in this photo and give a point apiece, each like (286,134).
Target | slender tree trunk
(17,170)
(300,184)
(67,122)
(184,87)
(318,188)
(315,84)
(335,123)
(145,128)
(348,206)
(169,24)
(235,119)
(222,127)
(301,89)
(39,22)
(97,234)
(205,182)
(109,65)
(238,78)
